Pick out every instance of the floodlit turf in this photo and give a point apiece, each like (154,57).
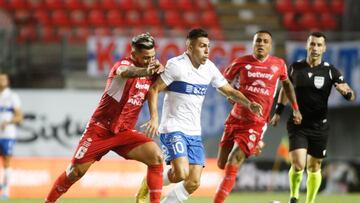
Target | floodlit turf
(234,198)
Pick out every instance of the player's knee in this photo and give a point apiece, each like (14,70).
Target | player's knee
(192,185)
(236,157)
(298,166)
(157,159)
(181,174)
(75,173)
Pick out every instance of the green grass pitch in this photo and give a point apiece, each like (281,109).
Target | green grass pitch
(256,197)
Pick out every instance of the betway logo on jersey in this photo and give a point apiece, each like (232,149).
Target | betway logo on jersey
(142,86)
(260,75)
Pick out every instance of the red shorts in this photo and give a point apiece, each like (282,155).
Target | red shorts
(97,141)
(246,134)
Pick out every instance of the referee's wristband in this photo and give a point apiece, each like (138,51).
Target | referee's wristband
(279,108)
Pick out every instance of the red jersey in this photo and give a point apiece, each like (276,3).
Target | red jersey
(122,100)
(258,81)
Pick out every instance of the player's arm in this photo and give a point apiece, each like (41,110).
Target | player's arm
(16,119)
(151,127)
(238,97)
(287,93)
(134,72)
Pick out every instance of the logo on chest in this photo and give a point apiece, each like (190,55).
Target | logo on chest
(319,81)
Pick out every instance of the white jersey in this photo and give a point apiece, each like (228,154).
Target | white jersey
(185,94)
(8,102)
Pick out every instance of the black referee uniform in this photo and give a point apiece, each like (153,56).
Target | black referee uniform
(312,88)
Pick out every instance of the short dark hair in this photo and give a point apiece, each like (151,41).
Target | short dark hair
(264,31)
(318,34)
(143,41)
(196,33)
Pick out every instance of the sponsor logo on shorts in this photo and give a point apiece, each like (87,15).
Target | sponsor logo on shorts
(252,137)
(250,145)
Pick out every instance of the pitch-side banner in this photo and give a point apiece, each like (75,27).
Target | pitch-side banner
(103,52)
(344,55)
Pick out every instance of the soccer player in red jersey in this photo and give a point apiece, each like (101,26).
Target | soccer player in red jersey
(256,76)
(112,126)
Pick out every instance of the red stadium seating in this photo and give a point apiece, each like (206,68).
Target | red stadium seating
(321,6)
(309,21)
(18,4)
(284,6)
(4,4)
(290,22)
(143,4)
(53,4)
(133,18)
(186,5)
(209,18)
(203,5)
(109,4)
(22,16)
(114,18)
(42,17)
(60,18)
(167,5)
(303,6)
(337,6)
(78,18)
(36,4)
(328,21)
(47,34)
(73,4)
(173,19)
(101,31)
(27,33)
(156,31)
(91,4)
(152,17)
(80,34)
(96,18)
(191,19)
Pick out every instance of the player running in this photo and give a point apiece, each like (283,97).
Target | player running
(112,126)
(186,79)
(256,76)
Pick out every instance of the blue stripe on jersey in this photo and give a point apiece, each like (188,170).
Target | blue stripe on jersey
(187,88)
(6,109)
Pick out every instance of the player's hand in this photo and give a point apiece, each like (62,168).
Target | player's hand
(259,147)
(343,88)
(256,108)
(275,120)
(151,128)
(297,117)
(155,68)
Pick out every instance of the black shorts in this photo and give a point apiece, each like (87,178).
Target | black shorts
(312,137)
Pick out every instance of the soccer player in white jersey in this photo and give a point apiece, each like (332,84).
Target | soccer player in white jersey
(186,79)
(10,115)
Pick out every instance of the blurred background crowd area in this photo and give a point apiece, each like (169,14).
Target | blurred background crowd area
(43,42)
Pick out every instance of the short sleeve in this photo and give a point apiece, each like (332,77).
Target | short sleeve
(16,100)
(284,71)
(231,71)
(218,79)
(336,76)
(170,73)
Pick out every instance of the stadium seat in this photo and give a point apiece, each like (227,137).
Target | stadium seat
(64,33)
(47,34)
(143,4)
(96,18)
(321,6)
(191,19)
(133,18)
(284,6)
(114,18)
(156,31)
(303,6)
(4,4)
(216,33)
(152,17)
(328,21)
(173,19)
(78,18)
(73,4)
(289,22)
(18,4)
(209,18)
(337,6)
(42,17)
(167,5)
(309,21)
(128,5)
(22,16)
(119,31)
(186,5)
(36,4)
(80,34)
(203,5)
(101,31)
(53,4)
(91,4)
(109,4)
(27,33)
(60,18)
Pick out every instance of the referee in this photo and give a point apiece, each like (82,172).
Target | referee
(313,79)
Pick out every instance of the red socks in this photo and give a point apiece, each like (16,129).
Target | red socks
(155,182)
(61,185)
(226,184)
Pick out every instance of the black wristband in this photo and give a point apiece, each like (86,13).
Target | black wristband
(279,108)
(348,95)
